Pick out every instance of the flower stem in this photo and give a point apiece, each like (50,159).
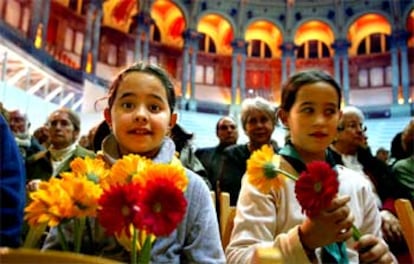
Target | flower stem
(62,238)
(134,246)
(287,174)
(33,236)
(79,224)
(356,234)
(145,254)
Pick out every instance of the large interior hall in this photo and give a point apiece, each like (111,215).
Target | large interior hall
(65,53)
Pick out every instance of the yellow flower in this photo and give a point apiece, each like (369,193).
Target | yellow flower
(126,170)
(93,169)
(61,199)
(49,204)
(263,170)
(172,173)
(84,195)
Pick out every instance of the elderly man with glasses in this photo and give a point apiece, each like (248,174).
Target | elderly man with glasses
(351,149)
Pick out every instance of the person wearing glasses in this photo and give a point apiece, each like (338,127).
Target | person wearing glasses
(64,128)
(227,134)
(350,149)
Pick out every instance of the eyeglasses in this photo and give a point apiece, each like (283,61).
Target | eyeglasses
(354,126)
(226,127)
(63,123)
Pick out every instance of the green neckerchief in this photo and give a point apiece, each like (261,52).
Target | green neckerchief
(332,253)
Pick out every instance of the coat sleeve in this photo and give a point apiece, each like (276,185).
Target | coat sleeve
(12,188)
(203,244)
(255,226)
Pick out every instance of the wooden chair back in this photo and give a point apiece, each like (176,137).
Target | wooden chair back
(405,213)
(227,214)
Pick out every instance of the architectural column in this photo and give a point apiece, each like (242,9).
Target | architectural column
(238,72)
(87,38)
(399,64)
(341,55)
(243,74)
(405,76)
(288,58)
(143,36)
(96,36)
(91,37)
(191,38)
(45,21)
(395,72)
(194,52)
(34,19)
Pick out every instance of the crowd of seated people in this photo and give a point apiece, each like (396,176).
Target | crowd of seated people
(50,149)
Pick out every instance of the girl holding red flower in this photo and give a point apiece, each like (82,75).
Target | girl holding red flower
(310,110)
(140,114)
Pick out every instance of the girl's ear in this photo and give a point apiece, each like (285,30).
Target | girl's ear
(173,120)
(283,116)
(107,116)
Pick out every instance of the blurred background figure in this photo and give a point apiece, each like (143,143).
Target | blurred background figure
(398,150)
(20,126)
(227,134)
(42,136)
(64,128)
(382,154)
(185,149)
(258,118)
(404,168)
(351,150)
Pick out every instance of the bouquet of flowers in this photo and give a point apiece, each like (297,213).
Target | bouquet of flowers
(315,188)
(135,200)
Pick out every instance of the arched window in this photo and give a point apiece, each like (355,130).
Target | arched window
(206,44)
(374,43)
(258,48)
(313,49)
(156,34)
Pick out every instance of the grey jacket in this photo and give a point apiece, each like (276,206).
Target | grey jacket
(196,240)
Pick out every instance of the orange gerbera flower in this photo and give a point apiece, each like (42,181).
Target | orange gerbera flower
(263,170)
(125,170)
(84,194)
(50,204)
(172,174)
(93,169)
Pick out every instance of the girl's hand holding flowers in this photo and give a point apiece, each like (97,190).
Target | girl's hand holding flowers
(333,224)
(373,250)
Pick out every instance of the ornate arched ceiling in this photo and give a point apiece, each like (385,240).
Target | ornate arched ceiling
(171,22)
(365,26)
(314,30)
(118,14)
(267,32)
(219,30)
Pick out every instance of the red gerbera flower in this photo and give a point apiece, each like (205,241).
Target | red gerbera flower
(163,206)
(119,208)
(316,187)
